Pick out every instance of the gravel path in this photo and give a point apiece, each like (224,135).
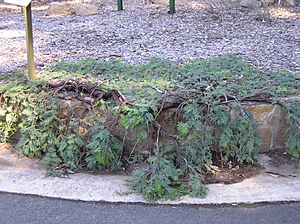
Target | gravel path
(139,33)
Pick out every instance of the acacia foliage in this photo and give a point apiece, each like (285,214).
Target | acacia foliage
(209,121)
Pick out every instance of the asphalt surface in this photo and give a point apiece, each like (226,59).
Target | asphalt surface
(25,209)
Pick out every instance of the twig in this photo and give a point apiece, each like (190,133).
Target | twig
(157,141)
(130,154)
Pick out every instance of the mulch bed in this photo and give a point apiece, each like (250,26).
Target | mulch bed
(144,31)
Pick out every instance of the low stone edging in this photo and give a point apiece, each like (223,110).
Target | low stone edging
(271,121)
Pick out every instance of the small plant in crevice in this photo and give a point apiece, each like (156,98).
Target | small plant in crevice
(234,144)
(104,150)
(70,145)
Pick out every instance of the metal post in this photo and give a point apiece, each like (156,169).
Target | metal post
(29,42)
(120,5)
(172,7)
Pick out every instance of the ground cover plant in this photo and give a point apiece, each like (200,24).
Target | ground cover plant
(177,119)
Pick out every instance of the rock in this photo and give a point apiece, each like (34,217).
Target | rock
(260,112)
(290,2)
(272,125)
(167,2)
(280,127)
(68,8)
(266,136)
(251,4)
(59,9)
(85,9)
(232,3)
(68,108)
(198,6)
(267,2)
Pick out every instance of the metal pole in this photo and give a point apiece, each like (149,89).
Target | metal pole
(120,5)
(29,42)
(172,7)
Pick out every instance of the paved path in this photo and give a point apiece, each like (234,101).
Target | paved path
(16,209)
(26,176)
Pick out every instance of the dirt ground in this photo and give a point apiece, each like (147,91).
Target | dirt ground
(217,174)
(278,158)
(233,175)
(281,156)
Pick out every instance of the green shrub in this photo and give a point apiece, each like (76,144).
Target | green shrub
(105,150)
(206,97)
(292,108)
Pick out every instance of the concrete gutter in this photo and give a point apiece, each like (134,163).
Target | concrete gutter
(26,176)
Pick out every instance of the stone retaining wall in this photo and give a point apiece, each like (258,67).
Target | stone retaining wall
(272,125)
(271,121)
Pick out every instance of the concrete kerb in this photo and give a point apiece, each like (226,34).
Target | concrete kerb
(25,176)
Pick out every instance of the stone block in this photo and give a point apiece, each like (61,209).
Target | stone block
(251,4)
(68,8)
(232,3)
(260,111)
(290,2)
(271,120)
(60,9)
(167,2)
(69,108)
(85,9)
(280,128)
(266,136)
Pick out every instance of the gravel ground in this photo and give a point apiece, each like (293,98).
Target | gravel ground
(141,32)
